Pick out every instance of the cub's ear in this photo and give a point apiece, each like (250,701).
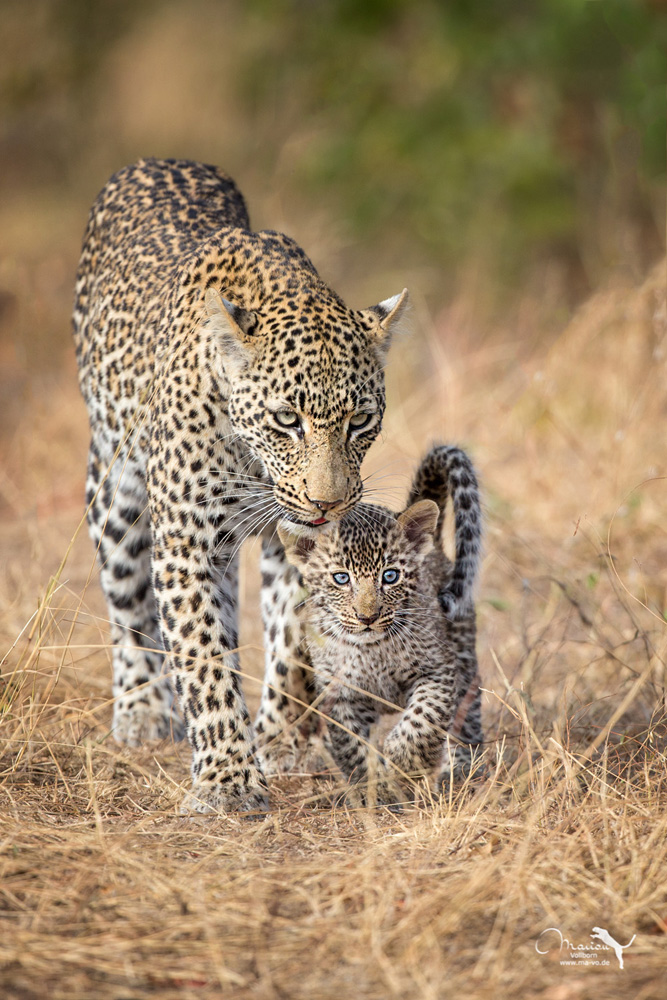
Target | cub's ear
(233,328)
(298,548)
(419,523)
(388,318)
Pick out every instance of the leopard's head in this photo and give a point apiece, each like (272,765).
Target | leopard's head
(365,573)
(306,391)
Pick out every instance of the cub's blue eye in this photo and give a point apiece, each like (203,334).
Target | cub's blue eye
(390,576)
(341,578)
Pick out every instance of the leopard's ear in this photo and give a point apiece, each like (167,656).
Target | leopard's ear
(419,523)
(234,329)
(298,548)
(389,318)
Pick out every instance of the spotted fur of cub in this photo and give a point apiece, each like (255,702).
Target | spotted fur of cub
(393,627)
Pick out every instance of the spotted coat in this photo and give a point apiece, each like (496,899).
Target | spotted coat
(228,389)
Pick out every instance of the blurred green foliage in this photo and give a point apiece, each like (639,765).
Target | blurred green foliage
(509,128)
(509,132)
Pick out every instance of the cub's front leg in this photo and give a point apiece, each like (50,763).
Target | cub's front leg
(196,588)
(349,725)
(416,742)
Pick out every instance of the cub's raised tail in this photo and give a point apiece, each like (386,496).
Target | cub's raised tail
(447,472)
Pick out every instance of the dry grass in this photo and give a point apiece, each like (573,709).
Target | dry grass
(105,892)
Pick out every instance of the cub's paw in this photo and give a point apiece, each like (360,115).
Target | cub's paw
(467,763)
(393,795)
(381,790)
(139,723)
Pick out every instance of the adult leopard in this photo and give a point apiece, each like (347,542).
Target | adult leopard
(229,390)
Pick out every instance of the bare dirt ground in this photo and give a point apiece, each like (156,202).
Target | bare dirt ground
(106,892)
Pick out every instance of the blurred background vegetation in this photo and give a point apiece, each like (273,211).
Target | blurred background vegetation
(493,152)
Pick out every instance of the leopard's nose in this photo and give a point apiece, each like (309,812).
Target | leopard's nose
(324,504)
(367,619)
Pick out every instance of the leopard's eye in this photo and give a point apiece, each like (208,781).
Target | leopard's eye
(359,420)
(390,576)
(287,418)
(341,579)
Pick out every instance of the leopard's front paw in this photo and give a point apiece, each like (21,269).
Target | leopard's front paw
(135,724)
(278,754)
(248,795)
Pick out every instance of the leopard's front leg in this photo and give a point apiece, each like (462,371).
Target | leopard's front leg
(288,682)
(196,587)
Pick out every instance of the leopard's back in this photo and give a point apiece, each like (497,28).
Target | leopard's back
(146,223)
(152,214)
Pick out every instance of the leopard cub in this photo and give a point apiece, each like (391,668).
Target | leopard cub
(392,626)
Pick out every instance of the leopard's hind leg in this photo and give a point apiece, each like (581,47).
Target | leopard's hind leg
(120,528)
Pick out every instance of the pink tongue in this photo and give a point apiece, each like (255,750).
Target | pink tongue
(322,520)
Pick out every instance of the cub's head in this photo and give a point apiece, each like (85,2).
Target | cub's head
(306,389)
(364,573)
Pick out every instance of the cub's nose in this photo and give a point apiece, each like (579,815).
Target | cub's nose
(324,504)
(367,619)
